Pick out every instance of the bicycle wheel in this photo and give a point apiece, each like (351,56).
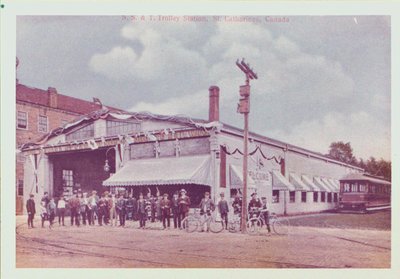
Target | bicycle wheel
(281,226)
(234,227)
(190,224)
(216,226)
(253,226)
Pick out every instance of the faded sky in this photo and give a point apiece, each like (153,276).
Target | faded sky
(321,79)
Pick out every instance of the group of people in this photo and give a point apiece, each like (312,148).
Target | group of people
(110,208)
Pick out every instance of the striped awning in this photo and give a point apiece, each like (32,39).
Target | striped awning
(236,178)
(279,182)
(163,171)
(308,181)
(298,183)
(331,187)
(321,185)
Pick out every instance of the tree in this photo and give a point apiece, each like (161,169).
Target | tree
(342,152)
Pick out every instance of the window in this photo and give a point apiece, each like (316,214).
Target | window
(121,127)
(43,124)
(315,196)
(292,196)
(323,196)
(20,189)
(335,197)
(354,187)
(346,187)
(22,120)
(82,133)
(68,182)
(275,196)
(329,197)
(363,188)
(303,196)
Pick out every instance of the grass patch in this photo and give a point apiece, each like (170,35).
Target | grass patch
(377,220)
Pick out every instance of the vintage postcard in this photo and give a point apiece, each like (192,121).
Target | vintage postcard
(148,140)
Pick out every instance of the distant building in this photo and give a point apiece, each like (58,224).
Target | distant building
(143,152)
(37,113)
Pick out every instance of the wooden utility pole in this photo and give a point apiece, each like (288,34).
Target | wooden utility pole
(244,108)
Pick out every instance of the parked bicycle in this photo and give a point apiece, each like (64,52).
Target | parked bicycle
(280,225)
(195,221)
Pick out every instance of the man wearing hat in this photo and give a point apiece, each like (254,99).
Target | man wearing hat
(184,203)
(74,204)
(265,212)
(92,205)
(175,210)
(223,209)
(165,205)
(254,204)
(31,209)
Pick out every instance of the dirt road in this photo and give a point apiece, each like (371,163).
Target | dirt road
(113,247)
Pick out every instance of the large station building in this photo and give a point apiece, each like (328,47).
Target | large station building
(141,152)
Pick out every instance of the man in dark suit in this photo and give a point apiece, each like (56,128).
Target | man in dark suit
(31,209)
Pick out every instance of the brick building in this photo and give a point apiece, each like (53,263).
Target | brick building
(38,112)
(144,152)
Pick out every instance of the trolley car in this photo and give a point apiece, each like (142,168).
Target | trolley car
(362,193)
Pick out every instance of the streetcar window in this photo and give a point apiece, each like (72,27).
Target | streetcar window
(329,197)
(315,196)
(354,187)
(346,187)
(292,196)
(335,197)
(363,188)
(322,196)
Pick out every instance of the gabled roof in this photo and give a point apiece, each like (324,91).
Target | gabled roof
(41,97)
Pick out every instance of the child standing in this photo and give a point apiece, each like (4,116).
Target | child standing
(61,210)
(43,213)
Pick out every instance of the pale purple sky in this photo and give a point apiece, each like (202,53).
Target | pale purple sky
(321,78)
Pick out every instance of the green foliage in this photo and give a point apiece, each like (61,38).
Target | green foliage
(344,152)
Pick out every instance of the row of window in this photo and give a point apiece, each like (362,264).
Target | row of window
(363,188)
(325,197)
(113,128)
(43,122)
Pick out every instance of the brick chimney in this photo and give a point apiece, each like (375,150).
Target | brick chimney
(53,96)
(214,104)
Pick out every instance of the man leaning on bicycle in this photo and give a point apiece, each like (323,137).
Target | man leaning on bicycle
(257,207)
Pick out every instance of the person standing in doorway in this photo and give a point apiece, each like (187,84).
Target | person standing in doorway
(31,209)
(61,210)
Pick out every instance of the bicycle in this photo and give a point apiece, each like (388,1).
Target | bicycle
(279,225)
(192,222)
